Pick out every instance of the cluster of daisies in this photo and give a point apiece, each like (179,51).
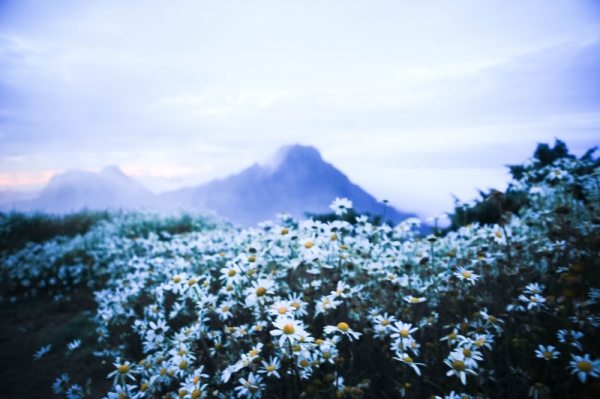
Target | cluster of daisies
(58,266)
(337,310)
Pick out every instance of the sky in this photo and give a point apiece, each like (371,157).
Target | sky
(415,101)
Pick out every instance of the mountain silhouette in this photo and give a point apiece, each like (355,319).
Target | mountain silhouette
(298,181)
(75,190)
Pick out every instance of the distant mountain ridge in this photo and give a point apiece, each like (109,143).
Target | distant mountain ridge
(299,181)
(75,190)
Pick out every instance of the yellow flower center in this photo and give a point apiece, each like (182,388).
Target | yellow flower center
(548,355)
(229,288)
(282,310)
(288,329)
(231,273)
(479,342)
(260,291)
(163,371)
(225,309)
(284,231)
(271,368)
(585,366)
(452,336)
(308,245)
(458,365)
(493,319)
(404,333)
(327,355)
(295,305)
(144,386)
(191,282)
(251,259)
(183,365)
(196,393)
(466,274)
(333,237)
(123,369)
(533,300)
(254,352)
(408,359)
(384,323)
(196,379)
(466,352)
(182,393)
(498,234)
(176,279)
(303,363)
(222,254)
(343,326)
(182,352)
(414,300)
(296,348)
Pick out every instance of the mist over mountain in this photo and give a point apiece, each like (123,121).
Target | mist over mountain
(297,181)
(75,190)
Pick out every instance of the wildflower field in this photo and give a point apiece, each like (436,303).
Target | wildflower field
(308,309)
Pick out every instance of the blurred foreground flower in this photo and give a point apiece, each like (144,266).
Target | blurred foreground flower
(340,206)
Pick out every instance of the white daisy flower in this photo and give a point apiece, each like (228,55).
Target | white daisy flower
(570,337)
(458,366)
(404,358)
(342,328)
(465,274)
(584,366)
(271,367)
(412,299)
(546,353)
(340,206)
(43,350)
(402,330)
(287,328)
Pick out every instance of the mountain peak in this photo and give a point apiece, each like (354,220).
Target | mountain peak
(112,170)
(293,155)
(297,152)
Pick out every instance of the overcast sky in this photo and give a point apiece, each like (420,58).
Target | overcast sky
(414,101)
